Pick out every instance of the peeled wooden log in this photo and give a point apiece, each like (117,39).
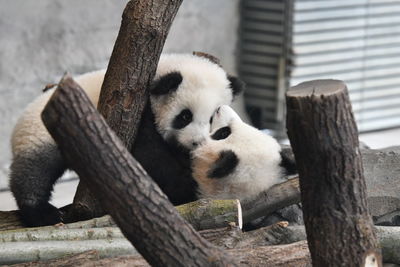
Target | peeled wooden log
(128,194)
(61,235)
(324,138)
(17,252)
(32,245)
(292,255)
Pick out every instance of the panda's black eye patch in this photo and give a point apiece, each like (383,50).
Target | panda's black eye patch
(183,119)
(224,165)
(222,133)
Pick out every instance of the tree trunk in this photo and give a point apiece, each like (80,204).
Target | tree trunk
(131,197)
(324,137)
(144,28)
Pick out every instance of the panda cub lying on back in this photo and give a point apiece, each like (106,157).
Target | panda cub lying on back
(237,161)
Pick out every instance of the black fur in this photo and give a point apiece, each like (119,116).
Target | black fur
(288,163)
(182,119)
(222,133)
(166,84)
(31,181)
(225,164)
(167,163)
(237,85)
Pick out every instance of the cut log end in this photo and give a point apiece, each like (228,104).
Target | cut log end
(317,88)
(372,259)
(240,216)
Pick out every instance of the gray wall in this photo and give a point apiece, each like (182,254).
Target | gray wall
(41,39)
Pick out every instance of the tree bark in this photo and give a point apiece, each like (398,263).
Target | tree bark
(324,137)
(133,63)
(132,66)
(131,197)
(277,197)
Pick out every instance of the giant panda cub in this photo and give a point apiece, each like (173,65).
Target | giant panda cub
(238,161)
(186,91)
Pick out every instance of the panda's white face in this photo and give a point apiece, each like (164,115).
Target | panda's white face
(237,160)
(187,92)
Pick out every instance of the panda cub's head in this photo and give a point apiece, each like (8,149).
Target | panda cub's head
(237,161)
(186,92)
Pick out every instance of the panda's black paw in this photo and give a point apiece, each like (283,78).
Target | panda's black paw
(40,215)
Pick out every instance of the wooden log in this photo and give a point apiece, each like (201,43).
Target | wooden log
(324,138)
(127,193)
(143,31)
(201,214)
(208,213)
(9,220)
(277,197)
(17,252)
(51,242)
(292,255)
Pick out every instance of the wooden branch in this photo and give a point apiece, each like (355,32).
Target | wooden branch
(144,28)
(277,197)
(324,138)
(133,63)
(128,194)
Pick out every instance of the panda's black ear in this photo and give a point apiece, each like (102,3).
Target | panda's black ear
(224,165)
(166,84)
(237,85)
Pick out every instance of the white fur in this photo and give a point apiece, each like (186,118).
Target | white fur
(205,87)
(259,158)
(30,133)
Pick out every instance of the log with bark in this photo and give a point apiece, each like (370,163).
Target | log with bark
(324,138)
(128,194)
(132,66)
(296,255)
(277,197)
(51,242)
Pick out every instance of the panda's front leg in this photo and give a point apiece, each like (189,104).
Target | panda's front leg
(32,177)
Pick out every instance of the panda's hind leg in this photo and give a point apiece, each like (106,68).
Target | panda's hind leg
(32,177)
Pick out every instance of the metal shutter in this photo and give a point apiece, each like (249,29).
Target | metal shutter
(356,41)
(262,59)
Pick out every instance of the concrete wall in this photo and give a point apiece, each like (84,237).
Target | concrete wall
(41,39)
